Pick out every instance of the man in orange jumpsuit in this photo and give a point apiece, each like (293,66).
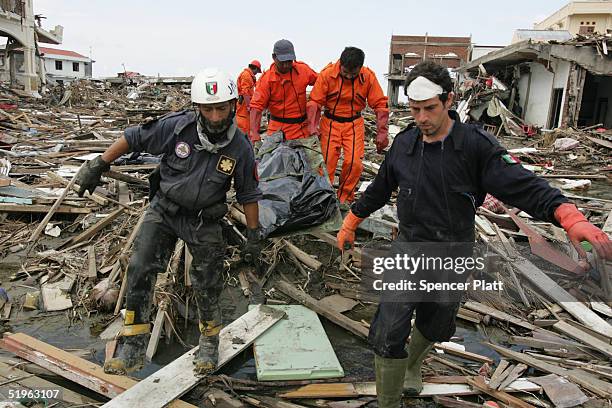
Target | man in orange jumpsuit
(343,89)
(282,90)
(246,87)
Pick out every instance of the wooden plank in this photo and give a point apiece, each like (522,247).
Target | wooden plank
(94,229)
(302,256)
(449,402)
(551,289)
(499,374)
(175,379)
(52,210)
(515,373)
(40,208)
(310,302)
(499,315)
(544,344)
(157,331)
(584,337)
(353,390)
(580,377)
(69,366)
(92,269)
(480,384)
(34,383)
(220,399)
(127,178)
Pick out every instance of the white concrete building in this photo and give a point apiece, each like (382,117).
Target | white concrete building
(64,65)
(580,17)
(22,29)
(558,84)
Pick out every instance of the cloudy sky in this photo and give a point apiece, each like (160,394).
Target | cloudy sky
(183,36)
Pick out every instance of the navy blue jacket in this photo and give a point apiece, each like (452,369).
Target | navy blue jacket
(441,184)
(191,178)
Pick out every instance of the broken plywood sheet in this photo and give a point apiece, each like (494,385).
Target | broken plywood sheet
(297,348)
(175,379)
(338,303)
(562,393)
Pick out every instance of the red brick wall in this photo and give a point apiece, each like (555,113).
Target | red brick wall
(462,49)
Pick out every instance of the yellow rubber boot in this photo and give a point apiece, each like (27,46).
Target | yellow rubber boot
(131,345)
(205,360)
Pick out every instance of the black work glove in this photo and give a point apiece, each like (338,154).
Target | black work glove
(88,177)
(252,248)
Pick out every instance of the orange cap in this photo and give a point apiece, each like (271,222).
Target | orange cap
(256,64)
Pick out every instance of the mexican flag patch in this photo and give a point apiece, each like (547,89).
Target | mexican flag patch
(508,158)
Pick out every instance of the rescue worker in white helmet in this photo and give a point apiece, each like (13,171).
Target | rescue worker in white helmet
(202,151)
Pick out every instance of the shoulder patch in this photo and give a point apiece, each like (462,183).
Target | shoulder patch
(509,159)
(226,165)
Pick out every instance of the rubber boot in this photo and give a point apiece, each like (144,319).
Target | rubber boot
(389,379)
(130,353)
(418,348)
(206,358)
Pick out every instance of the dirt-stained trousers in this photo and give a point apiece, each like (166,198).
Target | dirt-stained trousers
(153,248)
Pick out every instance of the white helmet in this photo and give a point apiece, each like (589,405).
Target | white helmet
(212,86)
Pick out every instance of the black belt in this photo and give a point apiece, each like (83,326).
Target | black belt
(288,120)
(340,118)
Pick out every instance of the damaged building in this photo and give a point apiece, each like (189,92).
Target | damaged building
(406,51)
(23,30)
(549,84)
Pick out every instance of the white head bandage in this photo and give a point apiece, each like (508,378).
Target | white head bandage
(421,89)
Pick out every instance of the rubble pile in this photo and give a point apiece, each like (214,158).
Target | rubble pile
(548,330)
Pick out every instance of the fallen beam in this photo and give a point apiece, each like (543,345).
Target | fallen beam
(551,289)
(353,390)
(43,209)
(175,379)
(71,367)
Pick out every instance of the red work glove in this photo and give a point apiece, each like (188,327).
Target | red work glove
(313,112)
(346,235)
(579,229)
(254,123)
(382,130)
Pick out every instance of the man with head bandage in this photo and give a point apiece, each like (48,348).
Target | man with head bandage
(444,169)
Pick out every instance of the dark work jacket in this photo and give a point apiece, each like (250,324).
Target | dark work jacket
(191,178)
(441,184)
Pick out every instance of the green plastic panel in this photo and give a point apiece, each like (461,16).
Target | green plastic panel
(296,348)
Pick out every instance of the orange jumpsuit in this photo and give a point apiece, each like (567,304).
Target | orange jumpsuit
(246,87)
(341,128)
(284,95)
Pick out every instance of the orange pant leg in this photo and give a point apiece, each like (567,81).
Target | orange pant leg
(243,124)
(330,136)
(353,147)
